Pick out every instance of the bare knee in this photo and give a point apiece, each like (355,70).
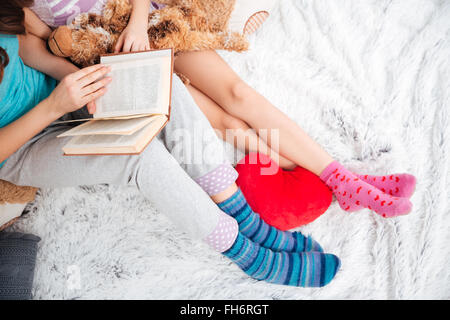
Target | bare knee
(241,97)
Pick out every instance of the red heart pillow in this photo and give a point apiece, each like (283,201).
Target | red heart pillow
(283,199)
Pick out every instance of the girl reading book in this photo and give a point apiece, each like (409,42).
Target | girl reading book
(30,154)
(230,103)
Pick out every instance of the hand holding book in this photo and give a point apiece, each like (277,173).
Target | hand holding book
(133,111)
(79,88)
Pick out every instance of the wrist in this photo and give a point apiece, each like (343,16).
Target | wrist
(139,14)
(138,24)
(51,109)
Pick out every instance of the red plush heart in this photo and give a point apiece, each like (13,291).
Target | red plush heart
(283,199)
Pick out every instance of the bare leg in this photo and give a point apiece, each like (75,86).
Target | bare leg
(241,136)
(209,73)
(225,194)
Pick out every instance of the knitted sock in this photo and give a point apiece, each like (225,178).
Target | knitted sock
(224,234)
(300,269)
(399,185)
(353,193)
(253,227)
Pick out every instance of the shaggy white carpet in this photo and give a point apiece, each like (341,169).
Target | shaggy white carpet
(370,81)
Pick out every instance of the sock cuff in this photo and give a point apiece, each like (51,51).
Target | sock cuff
(234,196)
(328,171)
(233,203)
(224,234)
(218,180)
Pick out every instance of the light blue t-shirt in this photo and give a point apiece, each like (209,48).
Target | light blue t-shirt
(22,87)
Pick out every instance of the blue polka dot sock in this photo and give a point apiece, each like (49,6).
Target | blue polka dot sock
(300,269)
(253,227)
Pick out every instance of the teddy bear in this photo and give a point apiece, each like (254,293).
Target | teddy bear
(184,25)
(13,200)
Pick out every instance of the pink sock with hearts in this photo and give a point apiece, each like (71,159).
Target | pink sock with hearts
(353,193)
(398,185)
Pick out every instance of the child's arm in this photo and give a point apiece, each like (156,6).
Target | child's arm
(34,25)
(72,93)
(34,53)
(135,37)
(33,49)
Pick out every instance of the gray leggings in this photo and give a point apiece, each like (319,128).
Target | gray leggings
(163,177)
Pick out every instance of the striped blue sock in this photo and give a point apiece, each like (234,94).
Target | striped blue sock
(300,269)
(253,227)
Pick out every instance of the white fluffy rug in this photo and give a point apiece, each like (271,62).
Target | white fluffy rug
(370,80)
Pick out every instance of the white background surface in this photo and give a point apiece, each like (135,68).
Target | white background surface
(370,81)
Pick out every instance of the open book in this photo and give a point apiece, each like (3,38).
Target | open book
(133,111)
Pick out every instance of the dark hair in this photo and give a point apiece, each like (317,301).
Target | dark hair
(11,22)
(4,60)
(12,16)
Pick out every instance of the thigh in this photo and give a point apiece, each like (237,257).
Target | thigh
(209,73)
(157,175)
(41,163)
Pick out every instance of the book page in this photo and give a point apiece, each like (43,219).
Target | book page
(103,141)
(104,144)
(143,55)
(134,89)
(106,127)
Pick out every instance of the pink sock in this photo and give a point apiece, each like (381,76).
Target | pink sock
(353,193)
(399,185)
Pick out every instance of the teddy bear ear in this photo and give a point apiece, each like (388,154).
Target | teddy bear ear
(60,42)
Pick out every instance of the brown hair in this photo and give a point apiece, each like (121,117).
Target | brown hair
(12,16)
(4,60)
(11,22)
